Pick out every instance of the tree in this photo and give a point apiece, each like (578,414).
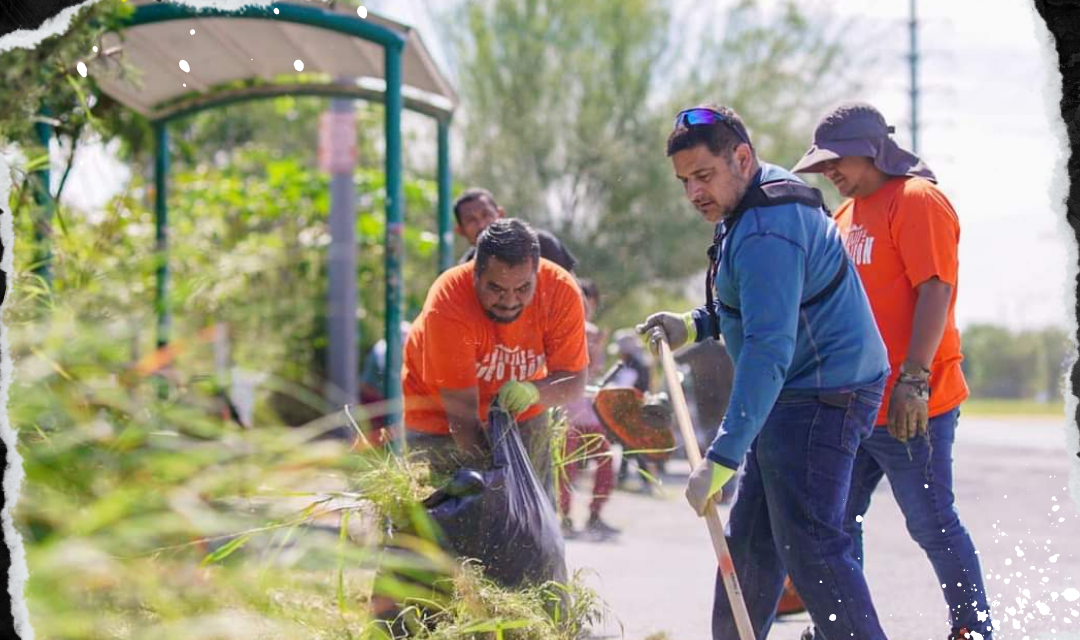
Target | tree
(248,209)
(1059,356)
(51,96)
(999,363)
(568,104)
(248,212)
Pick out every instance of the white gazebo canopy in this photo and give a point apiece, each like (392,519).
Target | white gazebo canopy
(161,69)
(170,60)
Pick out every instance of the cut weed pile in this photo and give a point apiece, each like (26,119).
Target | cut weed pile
(481,609)
(474,606)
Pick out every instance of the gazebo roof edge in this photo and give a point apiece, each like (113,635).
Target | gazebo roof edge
(429,92)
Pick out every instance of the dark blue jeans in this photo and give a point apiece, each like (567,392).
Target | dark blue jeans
(922,486)
(789,516)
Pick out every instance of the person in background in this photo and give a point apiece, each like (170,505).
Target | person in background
(373,385)
(476,208)
(903,235)
(634,373)
(585,437)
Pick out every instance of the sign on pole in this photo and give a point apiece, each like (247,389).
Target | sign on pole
(337,141)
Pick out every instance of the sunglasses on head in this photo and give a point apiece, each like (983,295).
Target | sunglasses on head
(704,116)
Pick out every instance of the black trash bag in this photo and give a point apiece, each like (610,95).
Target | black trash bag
(501,516)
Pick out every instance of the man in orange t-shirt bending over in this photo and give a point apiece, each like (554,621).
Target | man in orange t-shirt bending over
(903,234)
(508,325)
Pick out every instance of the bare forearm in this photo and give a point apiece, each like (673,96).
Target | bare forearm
(561,387)
(463,417)
(928,324)
(465,432)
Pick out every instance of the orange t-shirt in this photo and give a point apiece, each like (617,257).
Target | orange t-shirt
(900,236)
(454,345)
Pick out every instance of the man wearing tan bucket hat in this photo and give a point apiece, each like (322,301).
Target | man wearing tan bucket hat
(902,234)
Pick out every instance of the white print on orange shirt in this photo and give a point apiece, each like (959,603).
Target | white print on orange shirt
(509,364)
(859,245)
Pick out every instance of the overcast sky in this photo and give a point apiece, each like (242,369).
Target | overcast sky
(988,130)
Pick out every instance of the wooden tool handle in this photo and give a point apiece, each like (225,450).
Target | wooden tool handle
(712,514)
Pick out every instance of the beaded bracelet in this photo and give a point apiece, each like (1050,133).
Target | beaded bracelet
(918,382)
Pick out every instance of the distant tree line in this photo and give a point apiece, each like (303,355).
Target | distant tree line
(1028,364)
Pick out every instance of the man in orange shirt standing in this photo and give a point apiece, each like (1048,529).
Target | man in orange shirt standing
(902,234)
(507,325)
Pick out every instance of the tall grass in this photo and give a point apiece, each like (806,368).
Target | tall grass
(157,517)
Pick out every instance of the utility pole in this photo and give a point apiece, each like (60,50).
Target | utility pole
(913,59)
(337,156)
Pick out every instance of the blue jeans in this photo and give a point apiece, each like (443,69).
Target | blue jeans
(789,516)
(922,486)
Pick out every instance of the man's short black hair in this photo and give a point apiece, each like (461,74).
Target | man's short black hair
(721,138)
(470,194)
(508,239)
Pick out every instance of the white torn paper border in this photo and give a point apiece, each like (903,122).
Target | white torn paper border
(28,39)
(59,24)
(1052,81)
(13,471)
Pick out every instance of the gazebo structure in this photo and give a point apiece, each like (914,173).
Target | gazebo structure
(249,54)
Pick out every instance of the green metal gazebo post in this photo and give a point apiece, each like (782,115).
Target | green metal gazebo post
(395,223)
(446,233)
(161,231)
(43,198)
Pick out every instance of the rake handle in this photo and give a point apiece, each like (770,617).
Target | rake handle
(712,514)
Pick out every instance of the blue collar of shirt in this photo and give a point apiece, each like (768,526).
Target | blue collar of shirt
(756,180)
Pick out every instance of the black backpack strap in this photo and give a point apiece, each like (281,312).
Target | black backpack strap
(833,285)
(786,192)
(766,194)
(723,230)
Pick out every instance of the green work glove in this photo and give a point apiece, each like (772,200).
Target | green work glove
(705,482)
(516,396)
(678,328)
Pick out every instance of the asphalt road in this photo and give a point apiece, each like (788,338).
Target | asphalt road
(1011,483)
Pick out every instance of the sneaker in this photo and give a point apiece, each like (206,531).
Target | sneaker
(599,527)
(807,634)
(961,634)
(568,531)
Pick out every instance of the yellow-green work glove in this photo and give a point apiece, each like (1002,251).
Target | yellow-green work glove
(677,328)
(705,483)
(516,396)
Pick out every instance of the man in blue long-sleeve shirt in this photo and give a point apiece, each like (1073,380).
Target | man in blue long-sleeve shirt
(810,367)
